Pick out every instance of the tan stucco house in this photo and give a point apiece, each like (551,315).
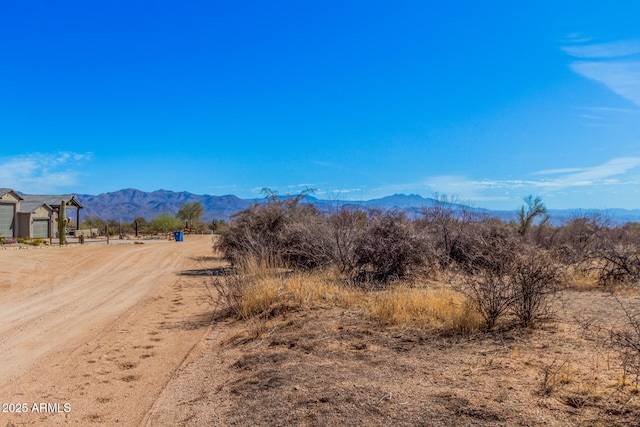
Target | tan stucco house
(28,215)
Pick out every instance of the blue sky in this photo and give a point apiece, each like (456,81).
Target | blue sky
(487,101)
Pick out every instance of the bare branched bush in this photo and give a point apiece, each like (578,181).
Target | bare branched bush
(489,286)
(279,229)
(632,232)
(618,264)
(578,237)
(507,275)
(255,231)
(348,227)
(389,249)
(620,332)
(534,277)
(306,240)
(626,339)
(555,375)
(373,247)
(447,226)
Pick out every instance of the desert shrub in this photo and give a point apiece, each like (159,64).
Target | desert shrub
(577,238)
(618,264)
(621,333)
(373,247)
(506,275)
(283,230)
(162,223)
(489,286)
(632,232)
(388,249)
(253,232)
(306,240)
(480,247)
(534,277)
(347,227)
(626,340)
(447,226)
(590,243)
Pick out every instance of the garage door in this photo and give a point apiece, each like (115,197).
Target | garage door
(6,220)
(41,228)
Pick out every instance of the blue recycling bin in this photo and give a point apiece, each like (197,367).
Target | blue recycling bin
(178,236)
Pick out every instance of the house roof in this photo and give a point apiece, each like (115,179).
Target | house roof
(4,191)
(32,206)
(53,201)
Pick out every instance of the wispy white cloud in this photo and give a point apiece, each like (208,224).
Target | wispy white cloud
(577,38)
(608,173)
(606,116)
(614,176)
(621,77)
(42,172)
(610,110)
(604,50)
(616,65)
(592,175)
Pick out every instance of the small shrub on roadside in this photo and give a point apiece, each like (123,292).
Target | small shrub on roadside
(283,229)
(369,249)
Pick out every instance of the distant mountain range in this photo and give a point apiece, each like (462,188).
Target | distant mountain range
(127,204)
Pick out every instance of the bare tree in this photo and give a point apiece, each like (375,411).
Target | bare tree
(531,209)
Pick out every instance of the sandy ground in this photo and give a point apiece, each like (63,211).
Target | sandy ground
(95,332)
(330,366)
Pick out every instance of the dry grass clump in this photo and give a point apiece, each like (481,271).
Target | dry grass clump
(257,288)
(440,309)
(259,291)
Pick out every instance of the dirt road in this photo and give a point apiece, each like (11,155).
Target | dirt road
(96,332)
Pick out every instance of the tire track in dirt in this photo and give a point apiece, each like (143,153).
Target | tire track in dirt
(41,321)
(112,369)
